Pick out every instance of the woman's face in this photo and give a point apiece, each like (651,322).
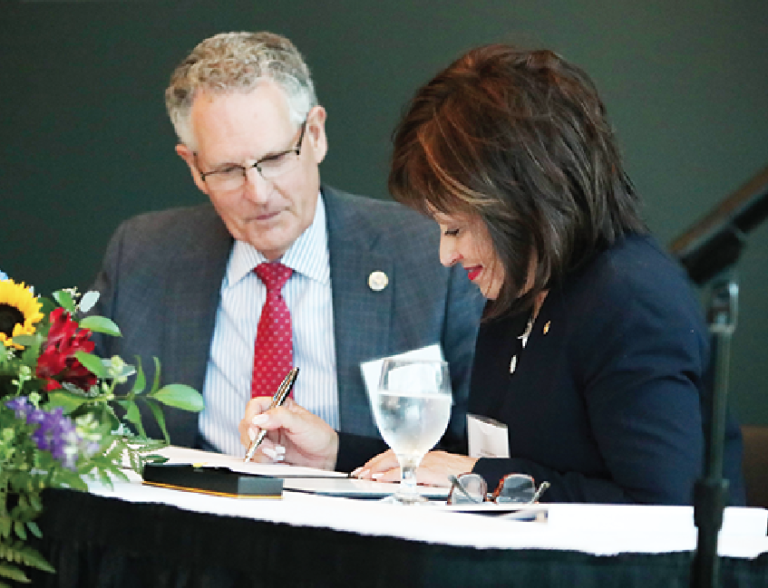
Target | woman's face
(465,239)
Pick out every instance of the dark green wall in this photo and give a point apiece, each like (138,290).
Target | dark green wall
(84,140)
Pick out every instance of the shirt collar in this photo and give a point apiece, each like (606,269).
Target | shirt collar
(308,255)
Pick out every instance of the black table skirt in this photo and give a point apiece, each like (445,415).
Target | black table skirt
(94,541)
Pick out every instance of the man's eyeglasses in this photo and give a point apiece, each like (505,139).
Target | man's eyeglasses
(232,177)
(471,488)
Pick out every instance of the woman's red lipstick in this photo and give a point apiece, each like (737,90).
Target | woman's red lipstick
(473,272)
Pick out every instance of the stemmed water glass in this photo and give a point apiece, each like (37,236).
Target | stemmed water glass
(412,407)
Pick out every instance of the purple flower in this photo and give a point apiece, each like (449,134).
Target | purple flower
(55,432)
(20,405)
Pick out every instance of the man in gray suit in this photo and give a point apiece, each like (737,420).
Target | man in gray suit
(366,282)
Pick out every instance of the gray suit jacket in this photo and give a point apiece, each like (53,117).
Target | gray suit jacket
(162,274)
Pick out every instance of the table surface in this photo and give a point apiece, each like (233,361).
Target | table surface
(138,535)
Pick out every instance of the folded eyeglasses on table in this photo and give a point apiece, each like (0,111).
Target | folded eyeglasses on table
(471,488)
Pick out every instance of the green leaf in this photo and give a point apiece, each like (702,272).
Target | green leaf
(109,418)
(132,411)
(66,400)
(159,417)
(133,415)
(156,382)
(20,530)
(180,396)
(25,340)
(18,552)
(34,529)
(23,502)
(141,380)
(48,305)
(101,324)
(13,573)
(64,299)
(92,363)
(156,458)
(36,503)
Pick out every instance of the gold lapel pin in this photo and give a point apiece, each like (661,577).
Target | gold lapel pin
(377,281)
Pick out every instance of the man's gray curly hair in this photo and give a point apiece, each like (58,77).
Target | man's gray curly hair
(230,62)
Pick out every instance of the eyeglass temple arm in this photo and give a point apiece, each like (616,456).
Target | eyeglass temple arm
(542,488)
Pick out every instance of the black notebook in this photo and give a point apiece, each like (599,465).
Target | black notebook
(212,480)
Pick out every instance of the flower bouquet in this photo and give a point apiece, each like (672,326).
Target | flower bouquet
(59,423)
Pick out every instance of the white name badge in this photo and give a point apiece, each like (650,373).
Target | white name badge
(487,437)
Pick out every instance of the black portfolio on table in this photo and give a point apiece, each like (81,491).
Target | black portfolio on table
(212,480)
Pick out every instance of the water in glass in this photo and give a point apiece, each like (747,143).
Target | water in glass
(412,407)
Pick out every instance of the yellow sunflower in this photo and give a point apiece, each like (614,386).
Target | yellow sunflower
(19,312)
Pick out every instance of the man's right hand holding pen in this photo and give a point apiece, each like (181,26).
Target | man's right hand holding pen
(295,435)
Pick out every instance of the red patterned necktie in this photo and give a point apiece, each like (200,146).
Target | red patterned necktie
(273,353)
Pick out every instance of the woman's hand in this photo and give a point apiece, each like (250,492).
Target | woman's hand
(295,435)
(433,471)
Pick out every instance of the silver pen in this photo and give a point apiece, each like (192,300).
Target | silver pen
(277,400)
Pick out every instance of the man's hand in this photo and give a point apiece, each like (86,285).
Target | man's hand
(295,435)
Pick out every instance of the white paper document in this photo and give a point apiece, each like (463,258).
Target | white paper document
(302,479)
(236,464)
(354,488)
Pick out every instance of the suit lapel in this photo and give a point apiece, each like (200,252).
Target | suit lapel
(361,316)
(192,299)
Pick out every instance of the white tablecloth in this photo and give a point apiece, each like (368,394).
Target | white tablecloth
(595,529)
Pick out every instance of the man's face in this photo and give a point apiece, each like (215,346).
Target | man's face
(240,129)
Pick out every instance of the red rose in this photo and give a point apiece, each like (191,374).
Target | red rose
(58,360)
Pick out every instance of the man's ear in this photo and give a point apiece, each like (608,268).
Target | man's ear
(316,133)
(189,157)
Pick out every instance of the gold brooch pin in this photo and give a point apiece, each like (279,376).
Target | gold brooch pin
(546,327)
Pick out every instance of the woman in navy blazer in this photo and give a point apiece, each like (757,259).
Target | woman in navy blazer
(593,351)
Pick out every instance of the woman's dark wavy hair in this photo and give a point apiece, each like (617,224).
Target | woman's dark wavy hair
(521,139)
